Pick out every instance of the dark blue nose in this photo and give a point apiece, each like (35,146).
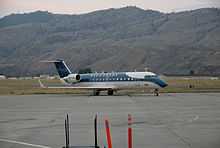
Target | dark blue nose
(164,84)
(156,80)
(161,83)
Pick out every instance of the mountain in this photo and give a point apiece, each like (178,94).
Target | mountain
(124,39)
(35,17)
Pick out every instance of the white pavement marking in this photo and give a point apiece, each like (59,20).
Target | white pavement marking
(194,119)
(23,143)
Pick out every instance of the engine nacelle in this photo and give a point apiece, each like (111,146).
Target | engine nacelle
(72,78)
(77,77)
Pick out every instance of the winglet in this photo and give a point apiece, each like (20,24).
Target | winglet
(41,84)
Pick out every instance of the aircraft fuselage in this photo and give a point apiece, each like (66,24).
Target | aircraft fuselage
(116,80)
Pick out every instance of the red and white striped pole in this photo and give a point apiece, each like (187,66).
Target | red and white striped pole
(108,134)
(129,131)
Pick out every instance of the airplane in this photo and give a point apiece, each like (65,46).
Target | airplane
(110,82)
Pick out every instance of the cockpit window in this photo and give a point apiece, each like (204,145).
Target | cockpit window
(150,76)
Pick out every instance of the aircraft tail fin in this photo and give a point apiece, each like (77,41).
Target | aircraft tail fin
(61,67)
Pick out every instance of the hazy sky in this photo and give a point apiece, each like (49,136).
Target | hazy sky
(84,6)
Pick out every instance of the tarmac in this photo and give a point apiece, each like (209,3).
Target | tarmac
(169,121)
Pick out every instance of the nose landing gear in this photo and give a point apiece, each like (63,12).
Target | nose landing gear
(156,92)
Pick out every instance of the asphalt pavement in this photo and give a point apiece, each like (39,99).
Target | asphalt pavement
(169,121)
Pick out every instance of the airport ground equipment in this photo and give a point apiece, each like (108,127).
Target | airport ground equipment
(108,134)
(129,131)
(67,135)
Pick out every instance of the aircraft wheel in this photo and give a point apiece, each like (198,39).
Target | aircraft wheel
(96,93)
(156,92)
(110,92)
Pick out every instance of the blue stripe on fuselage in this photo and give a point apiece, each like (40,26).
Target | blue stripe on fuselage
(115,77)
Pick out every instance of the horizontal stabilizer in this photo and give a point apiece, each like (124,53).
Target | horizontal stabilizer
(49,61)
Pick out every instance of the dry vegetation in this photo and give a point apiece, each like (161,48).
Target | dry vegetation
(192,85)
(176,85)
(25,87)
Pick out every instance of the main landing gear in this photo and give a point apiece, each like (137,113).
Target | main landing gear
(110,92)
(156,92)
(96,92)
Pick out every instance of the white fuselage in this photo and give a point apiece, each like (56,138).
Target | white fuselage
(116,80)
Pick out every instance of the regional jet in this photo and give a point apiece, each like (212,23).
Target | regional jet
(109,82)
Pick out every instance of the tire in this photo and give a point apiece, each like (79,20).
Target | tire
(96,93)
(110,92)
(156,92)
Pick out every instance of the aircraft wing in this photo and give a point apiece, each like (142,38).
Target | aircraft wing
(74,87)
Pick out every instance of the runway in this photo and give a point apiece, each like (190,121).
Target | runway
(169,121)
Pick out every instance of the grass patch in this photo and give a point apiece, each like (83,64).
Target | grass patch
(26,87)
(181,85)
